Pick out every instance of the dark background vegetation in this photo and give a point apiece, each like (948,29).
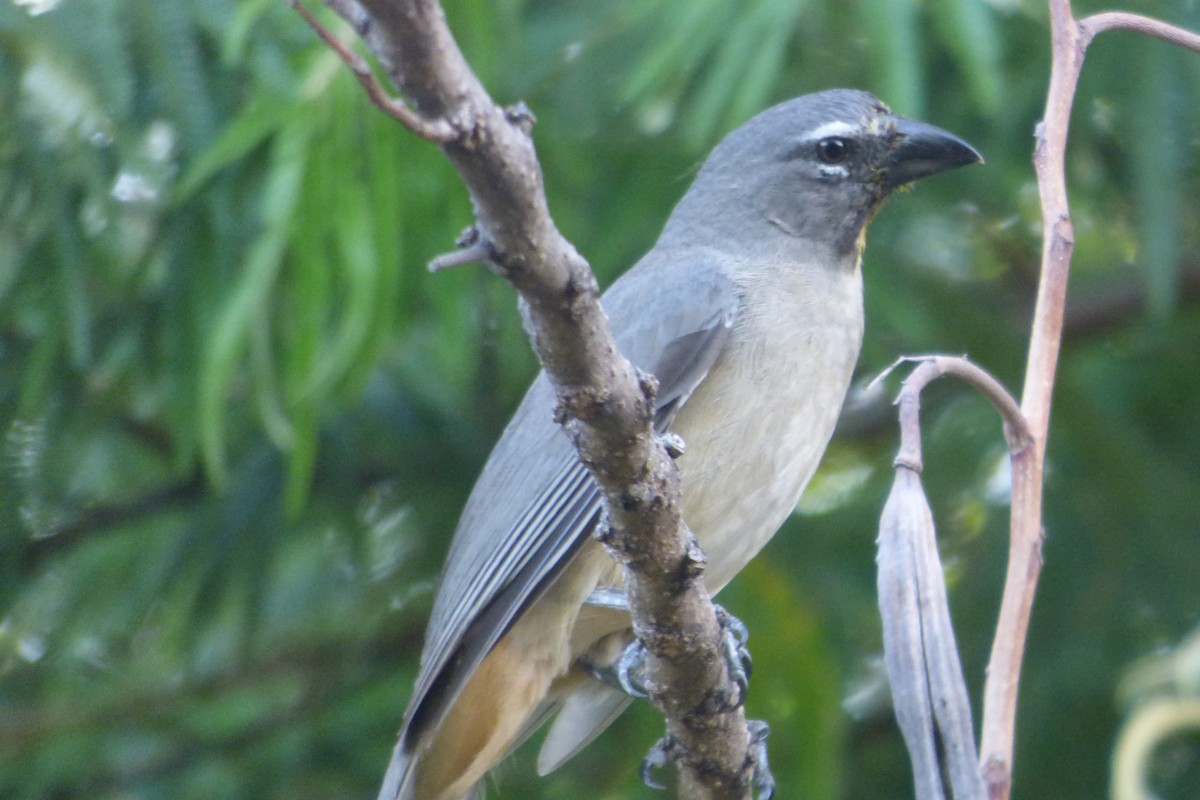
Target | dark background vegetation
(240,418)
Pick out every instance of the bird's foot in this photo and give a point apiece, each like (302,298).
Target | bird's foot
(605,597)
(666,750)
(763,780)
(737,654)
(628,673)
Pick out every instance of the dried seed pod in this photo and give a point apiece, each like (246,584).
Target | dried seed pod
(928,690)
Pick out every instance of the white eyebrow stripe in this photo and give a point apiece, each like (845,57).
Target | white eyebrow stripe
(835,128)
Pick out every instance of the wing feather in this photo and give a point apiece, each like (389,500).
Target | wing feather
(535,503)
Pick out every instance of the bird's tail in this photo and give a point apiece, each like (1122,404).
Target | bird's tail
(398,782)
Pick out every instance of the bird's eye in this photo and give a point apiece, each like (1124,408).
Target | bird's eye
(832,150)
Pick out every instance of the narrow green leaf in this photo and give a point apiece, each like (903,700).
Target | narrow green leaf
(237,33)
(476,30)
(350,231)
(385,174)
(267,397)
(357,269)
(250,295)
(968,29)
(261,117)
(176,74)
(895,42)
(747,65)
(685,34)
(75,311)
(302,459)
(104,43)
(1157,174)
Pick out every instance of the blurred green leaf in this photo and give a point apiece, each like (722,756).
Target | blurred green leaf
(748,60)
(894,29)
(250,297)
(177,73)
(968,29)
(261,118)
(1157,178)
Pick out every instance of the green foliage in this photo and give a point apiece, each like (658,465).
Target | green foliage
(239,417)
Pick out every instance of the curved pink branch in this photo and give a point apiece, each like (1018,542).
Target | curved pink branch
(1069,41)
(1090,27)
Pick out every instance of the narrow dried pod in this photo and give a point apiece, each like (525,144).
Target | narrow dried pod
(905,513)
(928,691)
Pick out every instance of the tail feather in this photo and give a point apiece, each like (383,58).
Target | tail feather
(478,729)
(398,782)
(585,713)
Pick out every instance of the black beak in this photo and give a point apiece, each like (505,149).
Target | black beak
(921,150)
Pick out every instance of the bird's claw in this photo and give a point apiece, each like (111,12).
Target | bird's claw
(763,780)
(662,753)
(666,751)
(627,673)
(607,597)
(631,671)
(737,655)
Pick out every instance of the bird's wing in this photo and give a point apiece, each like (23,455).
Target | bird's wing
(535,504)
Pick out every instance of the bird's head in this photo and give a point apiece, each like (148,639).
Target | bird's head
(815,168)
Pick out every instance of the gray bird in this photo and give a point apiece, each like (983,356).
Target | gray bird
(749,311)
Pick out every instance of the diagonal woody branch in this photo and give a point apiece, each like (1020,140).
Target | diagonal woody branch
(606,405)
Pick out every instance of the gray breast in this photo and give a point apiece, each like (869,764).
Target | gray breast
(756,428)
